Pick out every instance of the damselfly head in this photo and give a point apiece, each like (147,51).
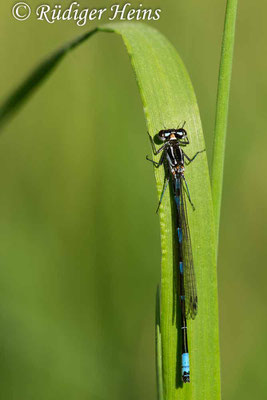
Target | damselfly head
(172,134)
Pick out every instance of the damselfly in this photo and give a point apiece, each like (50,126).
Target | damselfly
(174,159)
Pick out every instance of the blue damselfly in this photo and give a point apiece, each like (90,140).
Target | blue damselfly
(174,159)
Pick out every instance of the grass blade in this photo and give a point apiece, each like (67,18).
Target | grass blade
(158,349)
(168,98)
(37,76)
(222,109)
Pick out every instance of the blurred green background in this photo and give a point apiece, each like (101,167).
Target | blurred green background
(79,238)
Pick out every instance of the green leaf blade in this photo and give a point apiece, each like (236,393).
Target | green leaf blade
(168,99)
(39,74)
(222,106)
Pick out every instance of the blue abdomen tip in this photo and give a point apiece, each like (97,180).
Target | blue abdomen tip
(185,363)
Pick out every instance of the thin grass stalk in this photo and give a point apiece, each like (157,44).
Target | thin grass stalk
(222,106)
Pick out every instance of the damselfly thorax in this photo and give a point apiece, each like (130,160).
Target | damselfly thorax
(174,154)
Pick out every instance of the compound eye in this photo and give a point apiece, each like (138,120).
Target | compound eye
(182,133)
(162,136)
